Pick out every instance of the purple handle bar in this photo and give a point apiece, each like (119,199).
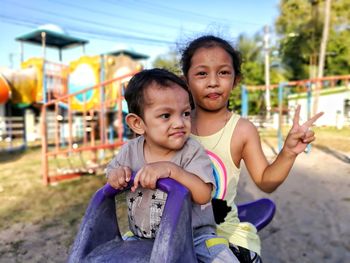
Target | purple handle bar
(259,212)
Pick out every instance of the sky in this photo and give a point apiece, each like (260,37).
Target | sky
(144,26)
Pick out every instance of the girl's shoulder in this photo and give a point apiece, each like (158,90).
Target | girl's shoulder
(244,123)
(245,128)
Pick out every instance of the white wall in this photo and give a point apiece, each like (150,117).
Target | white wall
(331,104)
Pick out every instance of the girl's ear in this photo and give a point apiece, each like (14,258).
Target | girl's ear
(135,123)
(183,78)
(237,80)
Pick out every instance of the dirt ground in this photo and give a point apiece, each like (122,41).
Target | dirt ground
(311,223)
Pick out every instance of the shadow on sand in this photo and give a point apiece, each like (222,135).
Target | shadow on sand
(340,156)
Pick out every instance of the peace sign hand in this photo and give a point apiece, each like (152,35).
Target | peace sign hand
(300,136)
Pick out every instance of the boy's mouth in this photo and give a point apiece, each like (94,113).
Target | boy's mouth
(178,134)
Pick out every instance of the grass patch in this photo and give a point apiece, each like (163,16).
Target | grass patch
(24,198)
(326,137)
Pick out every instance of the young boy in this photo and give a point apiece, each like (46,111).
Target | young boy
(159,112)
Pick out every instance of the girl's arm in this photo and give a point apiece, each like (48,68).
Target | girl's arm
(269,176)
(150,173)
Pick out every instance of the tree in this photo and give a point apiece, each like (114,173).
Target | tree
(168,61)
(252,52)
(300,26)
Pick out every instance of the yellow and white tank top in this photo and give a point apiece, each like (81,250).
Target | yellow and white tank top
(226,175)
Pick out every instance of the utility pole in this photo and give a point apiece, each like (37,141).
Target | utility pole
(313,55)
(267,71)
(11,55)
(322,56)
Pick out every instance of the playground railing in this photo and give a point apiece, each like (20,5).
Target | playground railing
(79,130)
(12,134)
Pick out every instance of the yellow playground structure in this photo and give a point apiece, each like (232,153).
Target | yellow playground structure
(76,109)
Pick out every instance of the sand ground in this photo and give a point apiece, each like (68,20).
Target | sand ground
(311,223)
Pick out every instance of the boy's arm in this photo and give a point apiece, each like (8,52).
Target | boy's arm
(118,171)
(119,177)
(269,177)
(150,173)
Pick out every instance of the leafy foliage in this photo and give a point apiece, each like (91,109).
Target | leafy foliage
(253,69)
(300,26)
(168,61)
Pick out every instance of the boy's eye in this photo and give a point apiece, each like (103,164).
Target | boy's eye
(165,116)
(187,113)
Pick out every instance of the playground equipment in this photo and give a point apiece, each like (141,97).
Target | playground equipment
(5,91)
(81,105)
(36,82)
(50,78)
(88,122)
(99,238)
(87,130)
(12,128)
(88,71)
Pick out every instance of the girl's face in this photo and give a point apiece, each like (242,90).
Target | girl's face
(211,78)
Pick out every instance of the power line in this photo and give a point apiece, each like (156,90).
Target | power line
(163,10)
(120,16)
(90,23)
(106,35)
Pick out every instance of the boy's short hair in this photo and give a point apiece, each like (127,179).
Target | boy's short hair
(134,93)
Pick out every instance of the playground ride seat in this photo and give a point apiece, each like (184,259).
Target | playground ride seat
(259,212)
(99,238)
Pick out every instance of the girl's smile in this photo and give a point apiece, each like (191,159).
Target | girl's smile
(213,95)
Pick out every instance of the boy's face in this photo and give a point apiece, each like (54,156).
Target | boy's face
(211,78)
(166,120)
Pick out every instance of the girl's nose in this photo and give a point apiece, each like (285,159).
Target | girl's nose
(213,81)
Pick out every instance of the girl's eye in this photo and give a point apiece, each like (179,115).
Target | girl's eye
(225,72)
(165,116)
(201,73)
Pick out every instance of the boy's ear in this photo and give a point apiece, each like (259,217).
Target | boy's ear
(135,123)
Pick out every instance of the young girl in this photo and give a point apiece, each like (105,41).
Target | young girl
(212,68)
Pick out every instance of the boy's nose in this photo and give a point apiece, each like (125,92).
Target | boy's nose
(179,122)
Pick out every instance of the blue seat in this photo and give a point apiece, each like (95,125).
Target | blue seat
(259,212)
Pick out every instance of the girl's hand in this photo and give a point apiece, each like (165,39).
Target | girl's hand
(300,135)
(119,177)
(149,174)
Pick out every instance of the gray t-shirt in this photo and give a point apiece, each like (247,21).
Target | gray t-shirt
(145,206)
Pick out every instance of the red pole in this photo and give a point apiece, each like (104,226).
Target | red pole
(120,114)
(84,119)
(70,123)
(57,140)
(44,158)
